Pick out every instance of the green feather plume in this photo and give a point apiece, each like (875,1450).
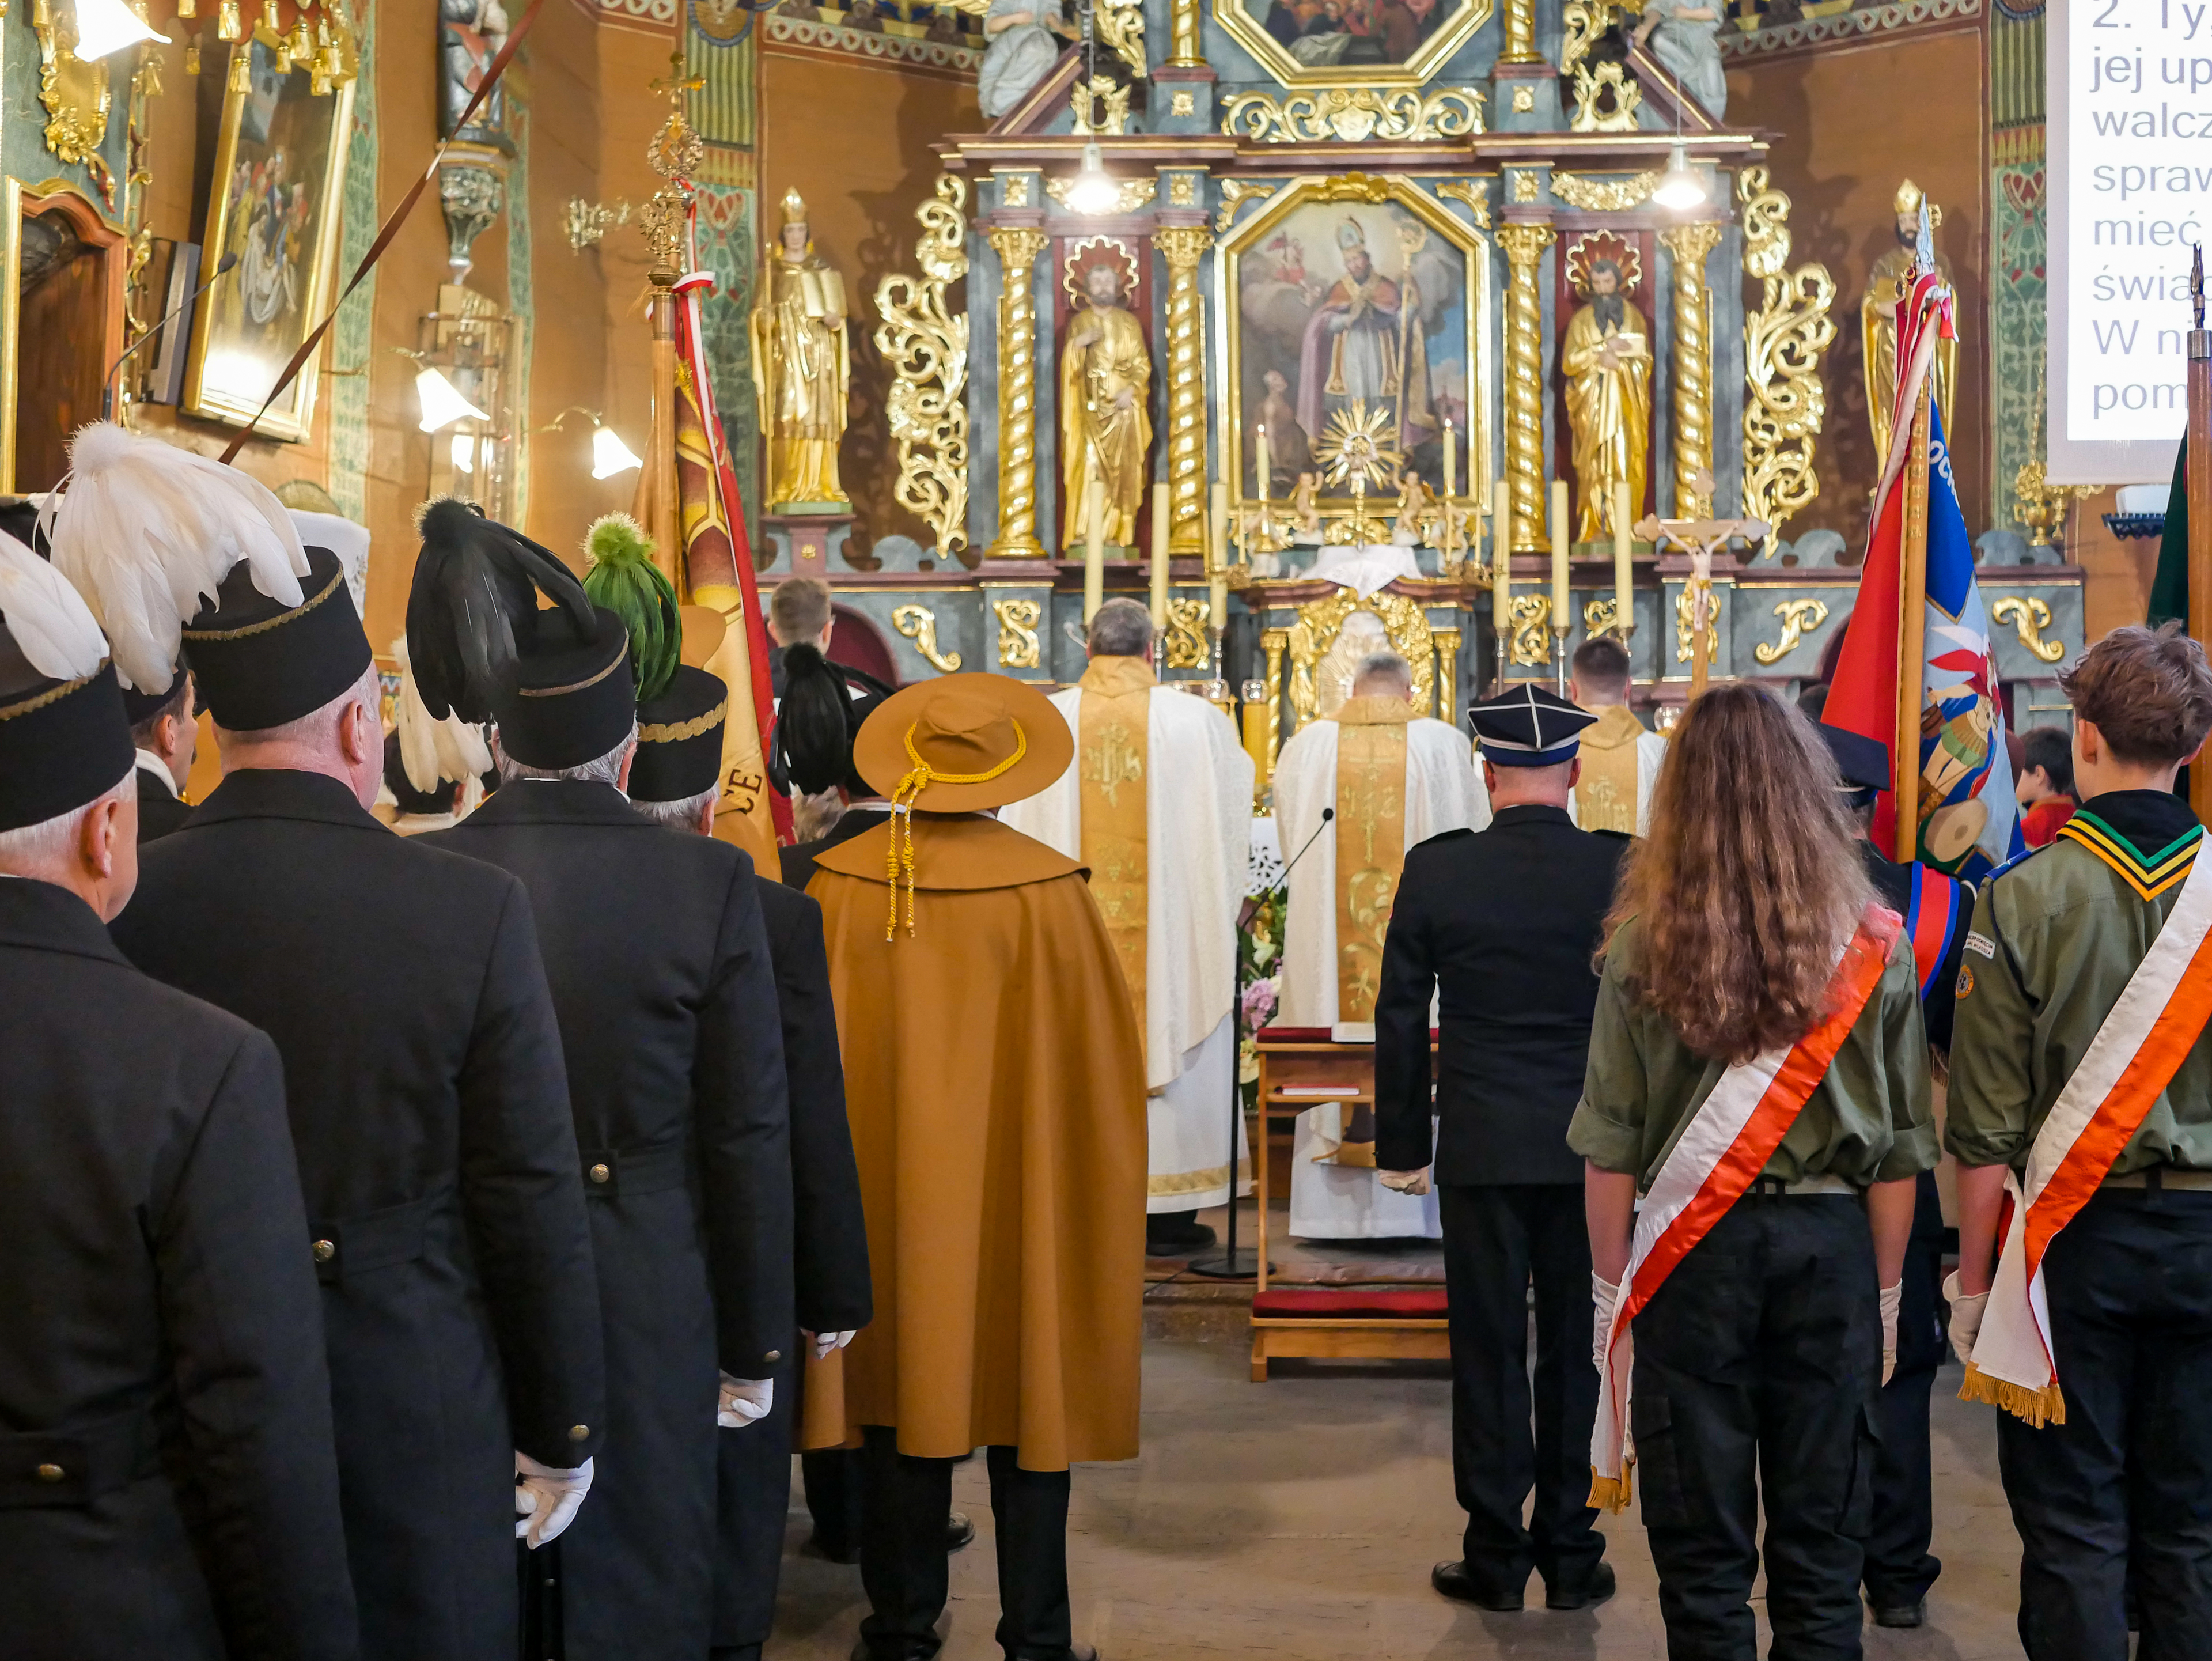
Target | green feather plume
(620,574)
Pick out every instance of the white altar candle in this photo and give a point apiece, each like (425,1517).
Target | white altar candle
(1501,560)
(1560,535)
(1451,463)
(1094,549)
(1217,575)
(1160,558)
(1623,567)
(1265,475)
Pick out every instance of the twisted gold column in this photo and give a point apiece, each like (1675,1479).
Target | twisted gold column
(1524,243)
(1183,51)
(1017,249)
(1273,642)
(1694,362)
(1520,34)
(1447,643)
(1182,246)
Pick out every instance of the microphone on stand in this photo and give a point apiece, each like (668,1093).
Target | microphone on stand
(1251,905)
(107,385)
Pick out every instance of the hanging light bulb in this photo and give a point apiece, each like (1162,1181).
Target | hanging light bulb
(442,403)
(1094,190)
(107,25)
(1681,186)
(610,455)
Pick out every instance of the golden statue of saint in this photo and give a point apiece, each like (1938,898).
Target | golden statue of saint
(800,368)
(1105,382)
(1606,358)
(1878,321)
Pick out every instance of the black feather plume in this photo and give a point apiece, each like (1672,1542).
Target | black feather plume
(474,581)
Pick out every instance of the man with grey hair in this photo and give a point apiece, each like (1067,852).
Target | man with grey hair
(445,1206)
(659,963)
(1396,778)
(1158,806)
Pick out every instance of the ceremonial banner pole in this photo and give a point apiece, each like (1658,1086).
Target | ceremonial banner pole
(1911,631)
(2199,482)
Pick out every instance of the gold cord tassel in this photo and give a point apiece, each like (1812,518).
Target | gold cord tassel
(900,854)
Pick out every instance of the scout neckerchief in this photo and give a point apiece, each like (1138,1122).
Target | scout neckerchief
(1721,1151)
(2124,1070)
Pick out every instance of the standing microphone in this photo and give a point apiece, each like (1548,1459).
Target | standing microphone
(1252,901)
(107,385)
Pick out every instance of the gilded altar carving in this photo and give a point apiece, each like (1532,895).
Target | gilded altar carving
(2029,617)
(1235,193)
(1525,392)
(1694,361)
(1448,644)
(1799,617)
(926,346)
(1520,29)
(1017,247)
(1602,617)
(1606,100)
(1784,339)
(1584,22)
(1532,629)
(1121,25)
(1614,195)
(1321,621)
(1182,246)
(1018,634)
(919,624)
(76,93)
(1100,105)
(1274,642)
(1134,193)
(1475,193)
(1187,646)
(2040,506)
(1354,114)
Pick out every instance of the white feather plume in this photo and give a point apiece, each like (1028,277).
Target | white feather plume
(430,749)
(48,619)
(147,531)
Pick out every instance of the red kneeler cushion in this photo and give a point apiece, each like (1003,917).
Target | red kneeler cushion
(1353,1303)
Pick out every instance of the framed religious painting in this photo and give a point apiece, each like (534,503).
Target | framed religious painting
(1348,43)
(1355,349)
(273,204)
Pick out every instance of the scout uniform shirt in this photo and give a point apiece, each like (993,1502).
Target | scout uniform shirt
(2057,934)
(1643,1085)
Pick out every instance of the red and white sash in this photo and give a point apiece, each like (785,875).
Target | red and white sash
(1720,1152)
(2125,1069)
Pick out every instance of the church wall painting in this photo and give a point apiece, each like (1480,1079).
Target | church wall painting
(1372,43)
(1352,297)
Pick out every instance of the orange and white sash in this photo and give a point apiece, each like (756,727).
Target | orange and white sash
(1719,1153)
(2125,1069)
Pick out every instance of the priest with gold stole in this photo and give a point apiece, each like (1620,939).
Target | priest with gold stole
(1158,806)
(1396,778)
(1621,756)
(1105,389)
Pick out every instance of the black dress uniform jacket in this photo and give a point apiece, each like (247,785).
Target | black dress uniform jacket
(1502,924)
(159,809)
(167,1485)
(429,1111)
(659,963)
(798,860)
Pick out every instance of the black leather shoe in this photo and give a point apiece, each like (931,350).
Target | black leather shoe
(1178,1239)
(911,1652)
(959,1531)
(1453,1580)
(1601,1585)
(1914,1614)
(835,1553)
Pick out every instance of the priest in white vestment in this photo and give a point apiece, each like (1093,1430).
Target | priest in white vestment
(1621,756)
(1396,778)
(1158,806)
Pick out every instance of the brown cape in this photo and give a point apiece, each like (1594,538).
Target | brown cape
(996,1092)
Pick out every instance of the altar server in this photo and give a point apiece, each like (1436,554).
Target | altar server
(1396,778)
(1158,806)
(672,781)
(1494,930)
(1759,1073)
(994,1080)
(1621,756)
(2081,1092)
(167,1484)
(658,960)
(421,1063)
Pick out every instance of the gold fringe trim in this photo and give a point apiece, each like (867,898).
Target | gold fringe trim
(1612,1493)
(2037,1407)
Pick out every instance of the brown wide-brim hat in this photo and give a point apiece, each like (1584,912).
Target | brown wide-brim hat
(960,726)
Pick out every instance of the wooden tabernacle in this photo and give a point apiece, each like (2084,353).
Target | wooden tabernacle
(1368,1322)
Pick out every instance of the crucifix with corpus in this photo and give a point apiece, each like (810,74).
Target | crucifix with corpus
(1701,538)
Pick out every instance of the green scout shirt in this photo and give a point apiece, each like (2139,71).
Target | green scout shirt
(1868,1120)
(2055,940)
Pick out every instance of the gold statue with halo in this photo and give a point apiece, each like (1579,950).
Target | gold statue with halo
(1105,387)
(1605,357)
(1878,320)
(801,369)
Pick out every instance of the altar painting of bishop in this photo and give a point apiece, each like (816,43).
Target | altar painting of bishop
(1396,778)
(1158,806)
(1365,343)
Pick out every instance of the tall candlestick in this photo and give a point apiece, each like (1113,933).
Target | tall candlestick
(1217,575)
(1160,558)
(1560,535)
(1094,549)
(1501,561)
(1451,463)
(1624,568)
(1264,476)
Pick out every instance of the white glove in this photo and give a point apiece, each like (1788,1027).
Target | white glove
(1415,1182)
(744,1402)
(1965,1317)
(1891,1297)
(826,1342)
(546,1497)
(1604,1295)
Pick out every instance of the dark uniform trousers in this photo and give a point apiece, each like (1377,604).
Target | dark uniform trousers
(1900,1568)
(1496,1240)
(753,1494)
(2128,1477)
(903,1560)
(1756,1364)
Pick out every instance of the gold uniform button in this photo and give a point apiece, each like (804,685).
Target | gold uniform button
(599,1174)
(51,1473)
(579,1432)
(326,1250)
(773,1356)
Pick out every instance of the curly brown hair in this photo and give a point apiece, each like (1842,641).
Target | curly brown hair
(1749,882)
(2147,691)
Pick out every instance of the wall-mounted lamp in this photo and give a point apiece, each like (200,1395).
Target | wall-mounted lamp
(610,455)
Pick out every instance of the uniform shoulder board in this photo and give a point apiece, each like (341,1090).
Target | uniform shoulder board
(1443,836)
(2015,863)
